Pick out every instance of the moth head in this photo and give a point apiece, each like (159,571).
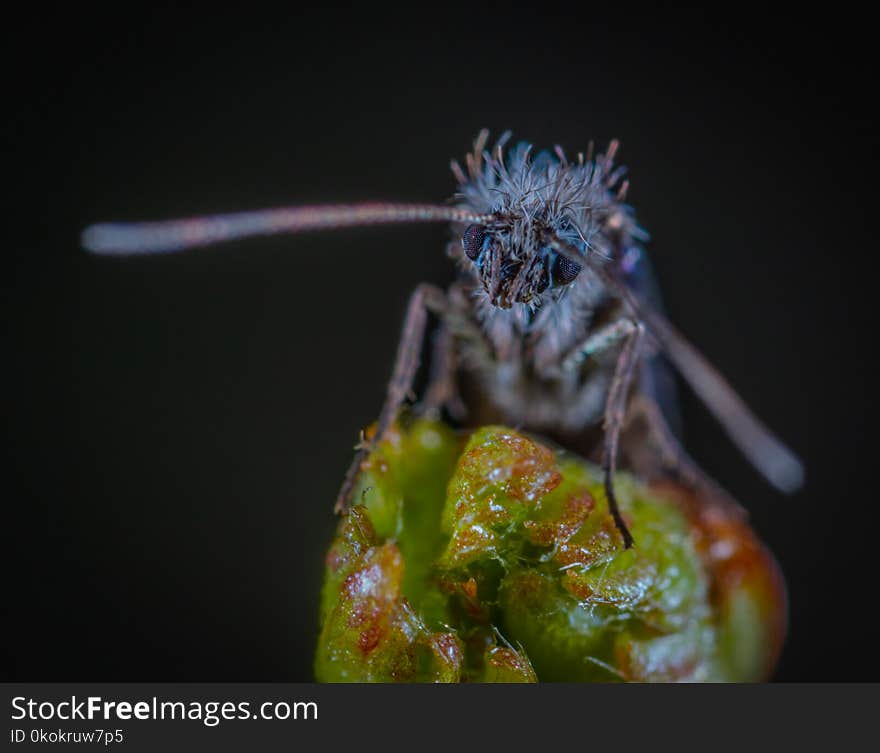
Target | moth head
(514,267)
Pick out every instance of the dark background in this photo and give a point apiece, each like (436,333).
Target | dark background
(177,427)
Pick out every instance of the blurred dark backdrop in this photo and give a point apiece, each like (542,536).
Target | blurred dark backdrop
(177,427)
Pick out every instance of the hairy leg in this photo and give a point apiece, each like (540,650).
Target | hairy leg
(654,453)
(442,390)
(615,413)
(599,341)
(425,298)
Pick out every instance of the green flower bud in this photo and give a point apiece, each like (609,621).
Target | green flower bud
(493,558)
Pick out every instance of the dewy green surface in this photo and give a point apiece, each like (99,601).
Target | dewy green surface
(493,558)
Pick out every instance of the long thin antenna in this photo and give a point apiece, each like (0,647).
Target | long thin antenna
(779,465)
(128,239)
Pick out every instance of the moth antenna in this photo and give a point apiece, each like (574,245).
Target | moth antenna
(778,464)
(127,239)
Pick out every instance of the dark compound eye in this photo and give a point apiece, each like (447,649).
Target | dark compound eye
(564,270)
(472,241)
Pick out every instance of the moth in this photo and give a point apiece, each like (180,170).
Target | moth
(549,326)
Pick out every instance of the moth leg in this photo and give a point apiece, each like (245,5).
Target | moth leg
(615,414)
(598,341)
(654,453)
(424,298)
(442,390)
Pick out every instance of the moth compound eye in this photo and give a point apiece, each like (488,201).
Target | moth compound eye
(472,241)
(564,270)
